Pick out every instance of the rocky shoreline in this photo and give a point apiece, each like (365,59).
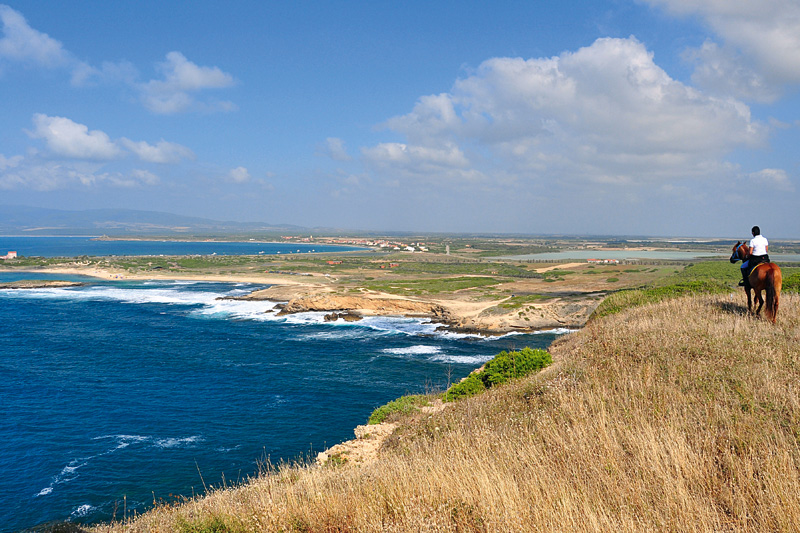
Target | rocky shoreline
(40,284)
(455,316)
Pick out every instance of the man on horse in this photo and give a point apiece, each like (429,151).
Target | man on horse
(759,248)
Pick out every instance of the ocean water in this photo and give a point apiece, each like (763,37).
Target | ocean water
(77,246)
(116,394)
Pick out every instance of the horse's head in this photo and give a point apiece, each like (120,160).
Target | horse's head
(740,252)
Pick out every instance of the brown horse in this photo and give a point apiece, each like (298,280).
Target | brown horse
(764,277)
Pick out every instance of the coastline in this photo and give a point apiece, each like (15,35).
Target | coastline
(318,292)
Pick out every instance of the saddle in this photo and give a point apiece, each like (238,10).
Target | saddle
(758,261)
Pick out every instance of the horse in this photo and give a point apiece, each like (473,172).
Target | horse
(764,277)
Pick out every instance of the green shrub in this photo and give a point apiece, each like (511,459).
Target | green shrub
(403,405)
(501,368)
(507,365)
(470,386)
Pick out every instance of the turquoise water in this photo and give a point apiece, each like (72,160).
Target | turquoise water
(77,246)
(117,393)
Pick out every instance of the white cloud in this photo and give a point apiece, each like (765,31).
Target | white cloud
(414,161)
(774,178)
(604,114)
(70,139)
(766,33)
(22,43)
(49,175)
(720,70)
(161,152)
(182,77)
(175,92)
(238,175)
(335,149)
(44,175)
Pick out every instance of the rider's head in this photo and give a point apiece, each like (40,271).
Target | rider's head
(756,231)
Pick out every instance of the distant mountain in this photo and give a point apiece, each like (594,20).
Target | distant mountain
(20,220)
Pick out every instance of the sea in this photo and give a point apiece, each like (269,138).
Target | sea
(116,395)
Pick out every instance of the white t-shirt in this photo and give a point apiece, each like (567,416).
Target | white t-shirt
(758,245)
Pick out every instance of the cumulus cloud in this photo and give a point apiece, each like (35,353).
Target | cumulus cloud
(720,70)
(774,178)
(421,161)
(69,139)
(161,152)
(182,78)
(762,37)
(238,175)
(604,113)
(22,43)
(177,90)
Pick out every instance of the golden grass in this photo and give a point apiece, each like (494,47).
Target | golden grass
(678,416)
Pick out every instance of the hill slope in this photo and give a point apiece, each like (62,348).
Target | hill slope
(679,415)
(38,221)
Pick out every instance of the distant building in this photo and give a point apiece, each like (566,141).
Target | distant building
(10,255)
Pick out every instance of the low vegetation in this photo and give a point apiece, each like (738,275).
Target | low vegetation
(501,368)
(431,286)
(402,406)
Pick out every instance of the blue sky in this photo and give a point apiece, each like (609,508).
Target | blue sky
(652,117)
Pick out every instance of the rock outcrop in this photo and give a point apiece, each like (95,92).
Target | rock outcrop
(39,284)
(367,306)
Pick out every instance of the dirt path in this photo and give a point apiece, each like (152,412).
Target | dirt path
(556,267)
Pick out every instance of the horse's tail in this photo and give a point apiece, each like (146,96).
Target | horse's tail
(774,281)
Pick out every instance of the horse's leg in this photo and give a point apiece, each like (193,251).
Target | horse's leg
(749,300)
(759,301)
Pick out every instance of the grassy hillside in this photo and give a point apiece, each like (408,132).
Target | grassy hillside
(682,414)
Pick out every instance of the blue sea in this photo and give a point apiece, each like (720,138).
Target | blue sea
(77,246)
(116,394)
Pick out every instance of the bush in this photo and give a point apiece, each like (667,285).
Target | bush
(401,406)
(470,386)
(501,368)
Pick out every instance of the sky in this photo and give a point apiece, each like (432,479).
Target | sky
(645,117)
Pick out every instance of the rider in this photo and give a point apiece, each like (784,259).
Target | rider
(759,248)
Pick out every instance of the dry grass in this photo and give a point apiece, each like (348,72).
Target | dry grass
(678,416)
